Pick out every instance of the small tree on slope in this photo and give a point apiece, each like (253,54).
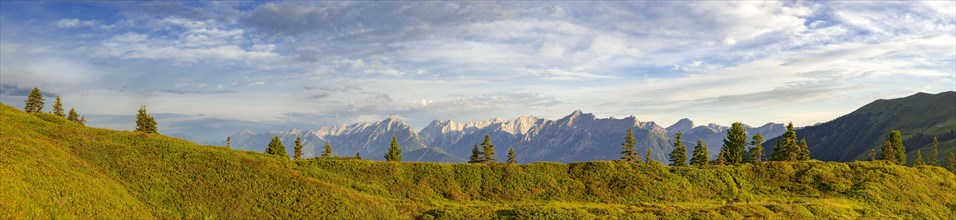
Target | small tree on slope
(678,156)
(394,151)
(276,148)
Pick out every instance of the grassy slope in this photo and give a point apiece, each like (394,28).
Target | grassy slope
(53,168)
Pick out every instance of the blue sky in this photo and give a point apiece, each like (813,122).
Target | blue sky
(214,68)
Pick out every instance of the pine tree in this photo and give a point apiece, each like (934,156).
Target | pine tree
(872,154)
(82,120)
(889,152)
(700,157)
(777,153)
(394,151)
(228,139)
(327,150)
(896,142)
(721,160)
(73,116)
(934,157)
(919,159)
(629,154)
(489,150)
(358,155)
(144,122)
(34,102)
(951,161)
(789,147)
(804,153)
(735,144)
(511,156)
(678,156)
(297,150)
(58,107)
(276,148)
(756,152)
(647,156)
(475,155)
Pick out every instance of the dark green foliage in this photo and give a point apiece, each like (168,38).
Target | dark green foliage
(787,147)
(919,159)
(145,123)
(297,150)
(700,157)
(951,161)
(721,159)
(488,150)
(73,116)
(934,157)
(394,153)
(475,155)
(512,159)
(34,102)
(327,150)
(888,152)
(358,155)
(647,156)
(735,144)
(678,156)
(58,107)
(804,153)
(629,154)
(893,148)
(276,148)
(872,154)
(756,152)
(228,140)
(777,153)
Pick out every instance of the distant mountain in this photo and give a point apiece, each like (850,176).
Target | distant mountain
(431,154)
(918,117)
(713,134)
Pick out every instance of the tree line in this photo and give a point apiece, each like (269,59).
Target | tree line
(35,102)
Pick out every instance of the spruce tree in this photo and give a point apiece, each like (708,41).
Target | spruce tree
(144,122)
(934,157)
(777,153)
(228,139)
(475,155)
(276,148)
(488,150)
(700,157)
(34,102)
(872,154)
(789,146)
(951,162)
(647,156)
(394,151)
(804,153)
(82,120)
(327,150)
(358,155)
(721,160)
(756,152)
(919,159)
(297,150)
(629,154)
(73,116)
(888,152)
(678,156)
(735,144)
(896,139)
(511,156)
(58,107)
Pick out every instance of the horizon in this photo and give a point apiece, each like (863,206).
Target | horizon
(211,69)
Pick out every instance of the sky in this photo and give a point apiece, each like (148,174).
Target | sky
(209,69)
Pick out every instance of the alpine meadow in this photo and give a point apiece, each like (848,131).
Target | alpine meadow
(460,110)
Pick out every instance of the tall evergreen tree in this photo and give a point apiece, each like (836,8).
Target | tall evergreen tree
(951,162)
(647,156)
(512,159)
(756,152)
(629,154)
(888,152)
(789,147)
(721,160)
(394,151)
(58,107)
(276,148)
(777,153)
(144,122)
(804,153)
(934,157)
(488,150)
(678,156)
(735,144)
(34,102)
(297,150)
(327,150)
(475,155)
(919,159)
(896,140)
(73,116)
(700,157)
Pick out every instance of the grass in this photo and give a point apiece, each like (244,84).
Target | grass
(53,168)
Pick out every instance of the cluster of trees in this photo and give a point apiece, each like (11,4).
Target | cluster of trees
(894,151)
(486,154)
(34,104)
(733,151)
(276,147)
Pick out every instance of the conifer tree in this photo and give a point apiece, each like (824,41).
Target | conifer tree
(756,152)
(777,153)
(735,144)
(228,139)
(804,153)
(934,157)
(144,122)
(647,156)
(721,160)
(34,102)
(488,150)
(297,150)
(872,154)
(511,156)
(919,159)
(276,148)
(327,150)
(73,116)
(58,107)
(394,151)
(678,156)
(82,120)
(629,154)
(358,155)
(896,142)
(789,147)
(700,157)
(888,152)
(951,161)
(475,155)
